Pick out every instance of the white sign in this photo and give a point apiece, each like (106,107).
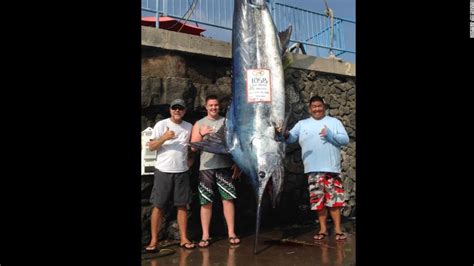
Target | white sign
(258,86)
(148,157)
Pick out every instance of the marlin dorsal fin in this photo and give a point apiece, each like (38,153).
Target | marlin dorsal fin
(284,37)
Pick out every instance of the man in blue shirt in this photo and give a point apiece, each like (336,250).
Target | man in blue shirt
(321,138)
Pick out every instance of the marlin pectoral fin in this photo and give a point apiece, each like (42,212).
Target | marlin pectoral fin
(220,133)
(212,144)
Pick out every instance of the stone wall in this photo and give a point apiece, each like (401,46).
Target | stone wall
(168,75)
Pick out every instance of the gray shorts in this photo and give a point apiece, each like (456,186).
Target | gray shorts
(173,186)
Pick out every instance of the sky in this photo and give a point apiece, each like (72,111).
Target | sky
(341,8)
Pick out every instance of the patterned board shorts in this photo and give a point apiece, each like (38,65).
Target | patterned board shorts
(208,180)
(325,189)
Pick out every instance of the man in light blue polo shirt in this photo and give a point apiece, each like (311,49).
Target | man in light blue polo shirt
(321,138)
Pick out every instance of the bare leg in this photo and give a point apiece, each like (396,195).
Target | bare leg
(336,217)
(229,214)
(323,230)
(335,213)
(156,218)
(206,215)
(182,223)
(322,217)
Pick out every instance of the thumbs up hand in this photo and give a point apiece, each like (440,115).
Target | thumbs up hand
(169,134)
(323,132)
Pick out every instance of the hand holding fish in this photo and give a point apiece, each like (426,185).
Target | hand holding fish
(278,132)
(236,172)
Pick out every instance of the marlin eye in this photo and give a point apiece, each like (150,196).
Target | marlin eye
(261,174)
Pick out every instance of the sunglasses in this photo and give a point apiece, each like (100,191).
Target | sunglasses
(174,108)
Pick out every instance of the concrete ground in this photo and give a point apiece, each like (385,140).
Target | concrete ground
(275,247)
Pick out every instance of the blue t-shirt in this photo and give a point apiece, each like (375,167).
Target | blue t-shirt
(320,154)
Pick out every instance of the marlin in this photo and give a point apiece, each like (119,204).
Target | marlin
(257,108)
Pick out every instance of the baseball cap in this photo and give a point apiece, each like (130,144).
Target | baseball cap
(179,102)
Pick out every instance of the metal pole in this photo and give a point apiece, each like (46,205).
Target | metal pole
(165,8)
(157,15)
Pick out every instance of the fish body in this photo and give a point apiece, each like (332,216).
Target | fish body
(258,99)
(258,96)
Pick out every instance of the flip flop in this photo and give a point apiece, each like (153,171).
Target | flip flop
(152,249)
(320,236)
(341,236)
(206,243)
(186,245)
(234,238)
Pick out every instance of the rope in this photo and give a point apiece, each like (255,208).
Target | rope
(191,8)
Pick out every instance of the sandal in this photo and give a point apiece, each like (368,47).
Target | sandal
(341,236)
(152,249)
(320,236)
(187,245)
(205,243)
(234,238)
